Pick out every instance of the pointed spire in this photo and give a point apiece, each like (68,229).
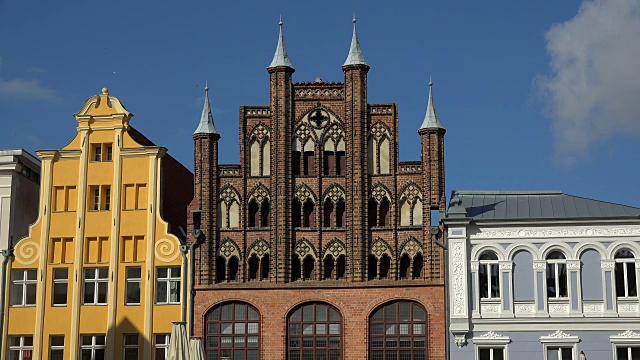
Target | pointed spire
(206,120)
(281,58)
(355,56)
(431,119)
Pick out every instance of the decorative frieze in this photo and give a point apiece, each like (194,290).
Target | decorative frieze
(545,233)
(459,278)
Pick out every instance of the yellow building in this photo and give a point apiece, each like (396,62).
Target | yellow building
(100,274)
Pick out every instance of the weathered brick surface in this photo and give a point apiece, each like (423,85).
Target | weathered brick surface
(355,304)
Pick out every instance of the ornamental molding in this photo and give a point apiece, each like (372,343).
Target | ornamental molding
(506,265)
(627,337)
(475,265)
(543,233)
(607,264)
(27,252)
(539,264)
(573,264)
(525,309)
(629,334)
(592,308)
(166,250)
(559,334)
(491,338)
(458,279)
(559,337)
(460,339)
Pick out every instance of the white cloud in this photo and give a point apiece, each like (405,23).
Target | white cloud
(25,89)
(593,89)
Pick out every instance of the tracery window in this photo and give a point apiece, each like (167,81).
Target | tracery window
(303,208)
(229,208)
(334,152)
(397,330)
(232,332)
(258,262)
(378,149)
(314,331)
(259,208)
(379,208)
(625,273)
(259,151)
(556,275)
(411,206)
(227,263)
(303,160)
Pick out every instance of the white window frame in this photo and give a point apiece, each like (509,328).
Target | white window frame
(488,265)
(96,280)
(560,339)
(126,346)
(56,347)
(97,152)
(555,263)
(25,282)
(625,267)
(59,281)
(168,280)
(491,340)
(130,280)
(164,346)
(96,198)
(93,347)
(626,339)
(22,347)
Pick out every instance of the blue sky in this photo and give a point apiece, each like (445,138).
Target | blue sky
(534,94)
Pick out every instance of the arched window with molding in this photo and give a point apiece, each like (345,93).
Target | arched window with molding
(303,152)
(379,208)
(556,275)
(397,330)
(489,276)
(232,331)
(625,274)
(378,149)
(334,159)
(314,332)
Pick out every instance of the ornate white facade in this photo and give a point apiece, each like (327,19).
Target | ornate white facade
(547,285)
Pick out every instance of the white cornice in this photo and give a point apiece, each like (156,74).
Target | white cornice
(559,337)
(556,233)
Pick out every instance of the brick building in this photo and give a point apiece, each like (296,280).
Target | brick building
(319,244)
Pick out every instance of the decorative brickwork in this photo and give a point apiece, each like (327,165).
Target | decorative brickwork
(311,119)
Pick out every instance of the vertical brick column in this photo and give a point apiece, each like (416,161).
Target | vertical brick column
(205,200)
(357,189)
(281,102)
(432,151)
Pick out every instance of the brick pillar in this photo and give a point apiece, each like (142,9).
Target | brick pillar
(281,103)
(432,149)
(357,188)
(205,202)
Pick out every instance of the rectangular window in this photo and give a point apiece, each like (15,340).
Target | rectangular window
(97,152)
(106,200)
(92,347)
(23,291)
(168,285)
(627,352)
(135,196)
(161,346)
(130,351)
(492,353)
(559,353)
(20,347)
(95,286)
(56,347)
(108,152)
(60,285)
(134,279)
(94,191)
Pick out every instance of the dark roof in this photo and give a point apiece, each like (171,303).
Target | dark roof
(505,205)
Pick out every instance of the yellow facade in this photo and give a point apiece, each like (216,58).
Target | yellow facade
(100,214)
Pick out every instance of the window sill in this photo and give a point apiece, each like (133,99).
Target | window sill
(138,304)
(24,306)
(59,305)
(98,211)
(333,228)
(101,304)
(62,211)
(132,209)
(376,228)
(166,304)
(306,228)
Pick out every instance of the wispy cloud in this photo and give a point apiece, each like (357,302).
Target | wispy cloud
(25,89)
(592,90)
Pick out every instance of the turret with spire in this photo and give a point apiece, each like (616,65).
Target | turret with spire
(203,209)
(281,106)
(432,150)
(355,70)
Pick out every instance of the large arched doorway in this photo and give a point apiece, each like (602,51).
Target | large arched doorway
(232,331)
(314,331)
(397,330)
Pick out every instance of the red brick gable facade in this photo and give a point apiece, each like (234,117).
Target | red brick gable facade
(319,218)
